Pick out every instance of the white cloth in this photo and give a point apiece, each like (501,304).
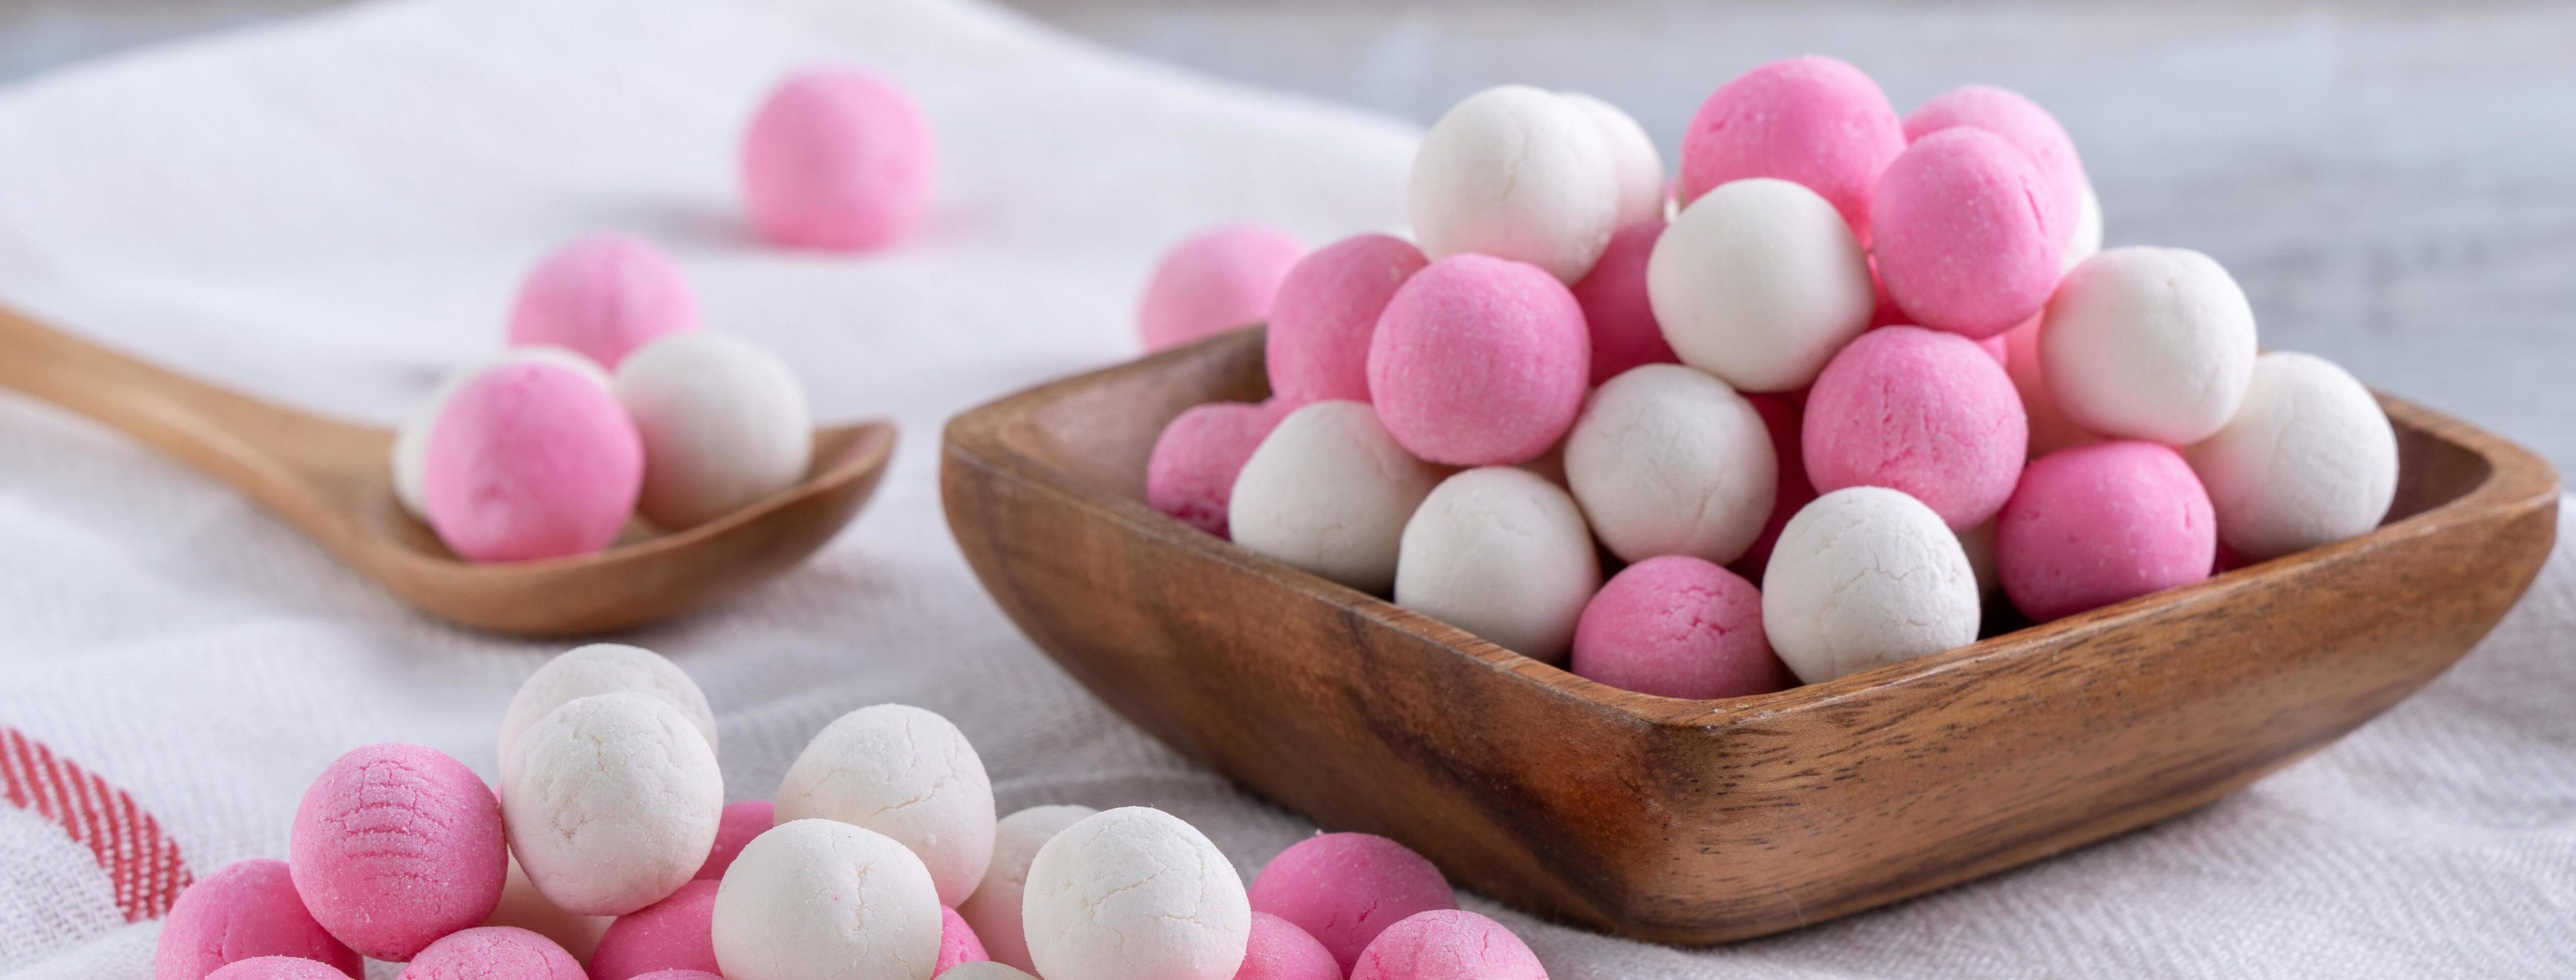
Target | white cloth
(333,212)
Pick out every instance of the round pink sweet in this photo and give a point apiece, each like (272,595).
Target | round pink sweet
(1782,415)
(396,845)
(1281,951)
(1480,361)
(1215,281)
(1615,308)
(1921,411)
(1678,627)
(675,933)
(531,460)
(2097,524)
(603,297)
(1344,889)
(838,160)
(277,968)
(494,953)
(2028,128)
(740,823)
(1448,945)
(1810,120)
(1326,310)
(1191,474)
(1962,241)
(957,942)
(246,910)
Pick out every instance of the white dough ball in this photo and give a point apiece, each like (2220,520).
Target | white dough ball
(984,970)
(1504,554)
(1135,894)
(611,802)
(823,900)
(2148,343)
(1759,282)
(1866,576)
(2084,240)
(994,910)
(1516,173)
(1328,492)
(1633,158)
(723,421)
(2309,459)
(604,668)
(908,774)
(1669,461)
(411,442)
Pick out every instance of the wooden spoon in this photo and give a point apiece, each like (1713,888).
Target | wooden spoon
(334,481)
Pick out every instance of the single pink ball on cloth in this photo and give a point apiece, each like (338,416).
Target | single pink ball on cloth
(1676,626)
(2099,524)
(1782,414)
(736,827)
(1961,241)
(673,934)
(1191,474)
(957,942)
(1480,361)
(2029,128)
(396,845)
(245,910)
(1326,310)
(1615,308)
(1810,120)
(1344,889)
(494,953)
(1214,281)
(603,297)
(531,460)
(277,968)
(1921,411)
(1280,951)
(1448,945)
(838,160)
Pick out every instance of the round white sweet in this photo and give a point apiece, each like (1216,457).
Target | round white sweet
(1501,553)
(2309,459)
(1633,158)
(1328,492)
(611,802)
(1135,894)
(723,421)
(1669,461)
(604,668)
(1865,576)
(983,970)
(1516,173)
(2148,343)
(1759,282)
(823,900)
(411,442)
(2084,241)
(908,774)
(994,910)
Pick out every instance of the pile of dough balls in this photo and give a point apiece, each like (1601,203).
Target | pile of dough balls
(1863,374)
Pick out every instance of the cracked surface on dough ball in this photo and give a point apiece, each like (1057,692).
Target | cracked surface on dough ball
(908,774)
(612,802)
(1135,894)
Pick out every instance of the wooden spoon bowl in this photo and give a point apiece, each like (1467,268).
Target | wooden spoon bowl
(333,480)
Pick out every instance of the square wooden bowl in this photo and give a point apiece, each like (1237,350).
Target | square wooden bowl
(1701,821)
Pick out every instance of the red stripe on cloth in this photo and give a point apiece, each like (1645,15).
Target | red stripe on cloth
(143,866)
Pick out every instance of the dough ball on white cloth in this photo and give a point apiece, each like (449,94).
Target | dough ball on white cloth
(724,425)
(2308,460)
(1669,461)
(604,668)
(1502,553)
(1135,894)
(411,442)
(823,900)
(1516,173)
(2148,343)
(1633,158)
(1759,282)
(1865,576)
(611,802)
(994,910)
(908,774)
(1328,492)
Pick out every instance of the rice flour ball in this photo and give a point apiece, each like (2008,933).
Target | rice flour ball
(1759,282)
(244,910)
(1134,894)
(1866,576)
(604,668)
(411,441)
(1961,239)
(1669,461)
(723,422)
(838,160)
(1217,280)
(1516,173)
(2099,524)
(824,900)
(1329,493)
(1812,120)
(1921,411)
(2148,343)
(1325,313)
(1633,158)
(908,774)
(604,297)
(1616,307)
(531,460)
(395,845)
(612,802)
(994,909)
(1479,361)
(1344,889)
(1503,554)
(1677,627)
(2031,130)
(2308,460)
(1190,475)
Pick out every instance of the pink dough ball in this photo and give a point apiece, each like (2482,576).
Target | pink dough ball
(739,823)
(1921,411)
(1810,120)
(1344,889)
(2098,524)
(675,933)
(2028,128)
(1782,414)
(246,910)
(1448,945)
(838,160)
(1615,308)
(603,297)
(1281,951)
(531,460)
(277,968)
(957,942)
(396,845)
(1191,473)
(1961,241)
(1326,310)
(1480,361)
(1213,282)
(1676,626)
(494,953)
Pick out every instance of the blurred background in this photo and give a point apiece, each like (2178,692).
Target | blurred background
(2394,185)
